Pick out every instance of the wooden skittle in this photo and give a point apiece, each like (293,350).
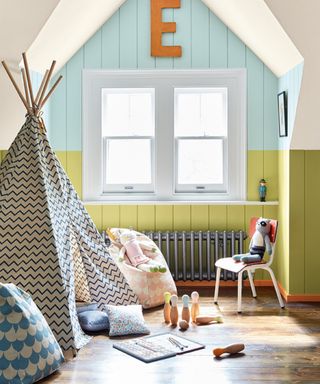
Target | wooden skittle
(174,310)
(167,307)
(233,348)
(195,307)
(185,315)
(207,319)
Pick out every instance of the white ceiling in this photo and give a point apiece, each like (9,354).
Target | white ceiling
(254,23)
(71,24)
(20,23)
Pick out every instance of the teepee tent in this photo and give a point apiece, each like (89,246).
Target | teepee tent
(49,245)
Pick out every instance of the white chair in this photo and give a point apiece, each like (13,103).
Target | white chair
(239,267)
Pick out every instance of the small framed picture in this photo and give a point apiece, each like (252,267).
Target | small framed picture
(282,114)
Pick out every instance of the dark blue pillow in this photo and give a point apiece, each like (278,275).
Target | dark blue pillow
(87,307)
(94,321)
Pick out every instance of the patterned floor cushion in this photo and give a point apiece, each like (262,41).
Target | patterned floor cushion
(29,350)
(148,286)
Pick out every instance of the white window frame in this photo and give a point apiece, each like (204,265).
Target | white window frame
(164,82)
(132,187)
(205,188)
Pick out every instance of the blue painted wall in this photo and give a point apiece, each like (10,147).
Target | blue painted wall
(291,84)
(124,42)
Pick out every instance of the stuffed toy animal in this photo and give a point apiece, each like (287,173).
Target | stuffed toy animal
(259,243)
(133,251)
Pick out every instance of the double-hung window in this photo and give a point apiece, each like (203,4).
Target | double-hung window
(164,135)
(128,139)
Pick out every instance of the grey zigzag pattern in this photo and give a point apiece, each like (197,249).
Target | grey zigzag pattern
(42,224)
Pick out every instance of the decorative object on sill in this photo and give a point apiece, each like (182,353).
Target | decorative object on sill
(282,114)
(262,190)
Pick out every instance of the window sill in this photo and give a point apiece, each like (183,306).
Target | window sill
(173,202)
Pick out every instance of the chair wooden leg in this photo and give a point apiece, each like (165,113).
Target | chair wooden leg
(253,288)
(275,284)
(239,291)
(216,288)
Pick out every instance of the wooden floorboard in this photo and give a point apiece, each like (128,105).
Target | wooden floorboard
(281,346)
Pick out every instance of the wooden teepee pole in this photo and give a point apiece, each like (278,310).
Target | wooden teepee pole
(41,87)
(43,91)
(23,72)
(26,66)
(15,85)
(50,92)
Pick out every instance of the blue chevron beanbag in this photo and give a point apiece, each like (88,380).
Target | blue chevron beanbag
(126,320)
(28,349)
(93,321)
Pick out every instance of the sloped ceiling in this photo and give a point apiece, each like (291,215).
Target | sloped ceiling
(71,24)
(254,23)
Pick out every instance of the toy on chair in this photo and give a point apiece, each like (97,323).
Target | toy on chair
(260,242)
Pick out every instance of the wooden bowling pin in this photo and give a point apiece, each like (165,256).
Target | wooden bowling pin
(185,315)
(174,310)
(195,307)
(233,348)
(207,319)
(167,307)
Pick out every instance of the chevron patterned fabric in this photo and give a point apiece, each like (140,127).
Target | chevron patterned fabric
(49,245)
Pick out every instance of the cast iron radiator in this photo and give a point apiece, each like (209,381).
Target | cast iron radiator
(191,255)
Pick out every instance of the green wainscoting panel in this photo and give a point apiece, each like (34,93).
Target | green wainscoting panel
(218,217)
(95,211)
(182,217)
(235,217)
(236,51)
(255,173)
(218,42)
(271,173)
(164,217)
(297,224)
(62,157)
(167,39)
(200,217)
(128,216)
(200,39)
(283,242)
(146,217)
(74,170)
(1,158)
(110,216)
(182,37)
(312,214)
(110,36)
(145,60)
(128,35)
(93,51)
(74,101)
(255,101)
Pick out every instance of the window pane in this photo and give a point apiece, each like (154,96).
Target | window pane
(127,112)
(200,161)
(128,161)
(200,112)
